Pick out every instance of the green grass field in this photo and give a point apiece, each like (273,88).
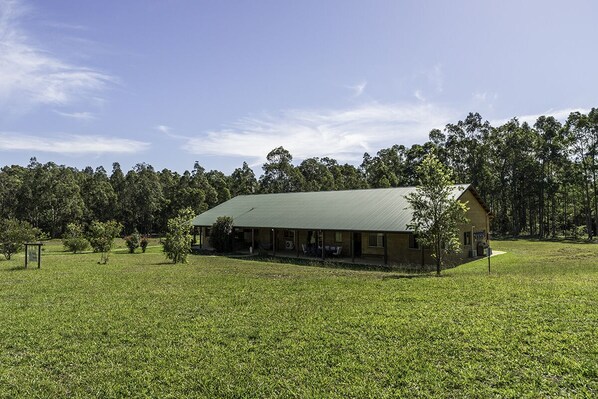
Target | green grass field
(220,327)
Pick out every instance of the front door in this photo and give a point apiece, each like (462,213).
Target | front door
(357,244)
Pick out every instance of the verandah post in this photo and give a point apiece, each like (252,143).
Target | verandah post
(323,241)
(353,247)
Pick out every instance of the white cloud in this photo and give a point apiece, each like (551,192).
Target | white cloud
(69,144)
(29,75)
(77,115)
(164,129)
(358,89)
(343,134)
(559,114)
(419,95)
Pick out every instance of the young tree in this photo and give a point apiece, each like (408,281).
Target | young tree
(133,241)
(436,212)
(74,239)
(13,234)
(101,237)
(177,242)
(221,233)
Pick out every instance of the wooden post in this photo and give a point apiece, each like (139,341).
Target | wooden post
(273,242)
(252,241)
(201,237)
(323,252)
(353,247)
(489,250)
(296,239)
(385,249)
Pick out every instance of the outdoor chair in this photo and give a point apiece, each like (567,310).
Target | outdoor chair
(338,251)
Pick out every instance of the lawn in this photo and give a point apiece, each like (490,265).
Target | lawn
(221,327)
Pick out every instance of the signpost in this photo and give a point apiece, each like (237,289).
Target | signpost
(33,253)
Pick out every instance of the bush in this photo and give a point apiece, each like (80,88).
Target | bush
(177,243)
(133,241)
(101,237)
(14,234)
(143,243)
(221,234)
(74,239)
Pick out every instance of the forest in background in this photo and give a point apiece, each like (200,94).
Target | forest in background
(538,180)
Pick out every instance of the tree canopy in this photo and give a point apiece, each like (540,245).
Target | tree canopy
(437,215)
(539,179)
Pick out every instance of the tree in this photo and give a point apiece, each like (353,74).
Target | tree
(221,234)
(74,238)
(143,199)
(316,175)
(280,176)
(13,234)
(101,237)
(243,181)
(133,241)
(177,242)
(436,213)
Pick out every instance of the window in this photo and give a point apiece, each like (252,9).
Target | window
(413,243)
(338,236)
(467,238)
(289,235)
(376,240)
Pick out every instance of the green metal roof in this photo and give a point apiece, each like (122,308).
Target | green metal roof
(383,209)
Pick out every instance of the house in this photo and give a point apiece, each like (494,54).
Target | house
(365,225)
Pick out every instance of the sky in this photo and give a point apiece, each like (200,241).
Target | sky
(171,82)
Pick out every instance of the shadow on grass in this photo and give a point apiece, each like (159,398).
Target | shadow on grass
(410,276)
(564,240)
(409,272)
(18,268)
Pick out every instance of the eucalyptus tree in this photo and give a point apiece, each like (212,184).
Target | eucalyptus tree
(551,153)
(583,151)
(316,175)
(199,181)
(243,181)
(143,199)
(220,182)
(98,195)
(280,175)
(345,176)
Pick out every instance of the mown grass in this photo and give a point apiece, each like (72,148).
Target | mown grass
(220,327)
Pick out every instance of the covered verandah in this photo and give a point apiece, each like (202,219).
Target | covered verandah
(341,246)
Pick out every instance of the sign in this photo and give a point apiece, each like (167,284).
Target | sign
(33,253)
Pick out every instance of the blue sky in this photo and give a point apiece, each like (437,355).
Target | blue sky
(222,82)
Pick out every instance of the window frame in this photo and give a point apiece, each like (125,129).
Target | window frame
(379,240)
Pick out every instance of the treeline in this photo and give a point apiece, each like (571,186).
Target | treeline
(539,179)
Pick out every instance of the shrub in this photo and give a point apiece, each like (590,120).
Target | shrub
(133,241)
(14,234)
(177,243)
(74,239)
(101,237)
(143,243)
(221,234)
